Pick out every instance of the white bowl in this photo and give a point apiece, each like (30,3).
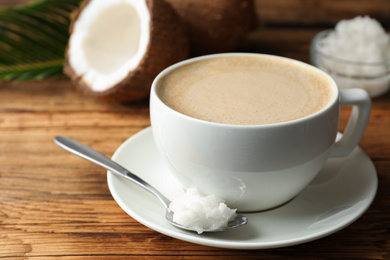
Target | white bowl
(374,77)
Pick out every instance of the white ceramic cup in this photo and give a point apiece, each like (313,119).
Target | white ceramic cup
(257,167)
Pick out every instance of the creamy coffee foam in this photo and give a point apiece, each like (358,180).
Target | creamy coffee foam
(245,90)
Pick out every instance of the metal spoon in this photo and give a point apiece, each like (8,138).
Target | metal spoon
(90,154)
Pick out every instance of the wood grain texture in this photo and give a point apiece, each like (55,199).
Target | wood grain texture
(303,13)
(54,204)
(319,12)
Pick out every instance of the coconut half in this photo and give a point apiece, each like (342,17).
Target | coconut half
(117,47)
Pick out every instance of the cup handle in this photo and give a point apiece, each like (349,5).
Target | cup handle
(361,102)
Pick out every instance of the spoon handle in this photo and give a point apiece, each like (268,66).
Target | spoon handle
(94,156)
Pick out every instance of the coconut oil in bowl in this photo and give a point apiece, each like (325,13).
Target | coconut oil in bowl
(356,54)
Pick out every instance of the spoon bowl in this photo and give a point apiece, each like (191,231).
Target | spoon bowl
(238,221)
(94,156)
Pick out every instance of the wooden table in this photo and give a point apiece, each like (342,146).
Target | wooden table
(54,204)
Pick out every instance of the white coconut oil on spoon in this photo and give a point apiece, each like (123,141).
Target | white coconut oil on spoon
(198,219)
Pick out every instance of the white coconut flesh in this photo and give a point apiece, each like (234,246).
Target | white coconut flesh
(109,40)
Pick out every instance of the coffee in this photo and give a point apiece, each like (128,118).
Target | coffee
(245,90)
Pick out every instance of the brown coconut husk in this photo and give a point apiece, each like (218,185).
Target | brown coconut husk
(215,25)
(168,44)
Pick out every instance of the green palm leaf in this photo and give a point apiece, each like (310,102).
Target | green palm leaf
(33,39)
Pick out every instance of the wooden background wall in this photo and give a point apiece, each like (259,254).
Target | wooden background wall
(315,13)
(320,13)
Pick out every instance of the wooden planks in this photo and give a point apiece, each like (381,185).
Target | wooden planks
(303,12)
(319,12)
(56,205)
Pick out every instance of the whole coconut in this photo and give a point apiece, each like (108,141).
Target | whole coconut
(215,25)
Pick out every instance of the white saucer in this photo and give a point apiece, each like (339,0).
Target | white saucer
(340,194)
